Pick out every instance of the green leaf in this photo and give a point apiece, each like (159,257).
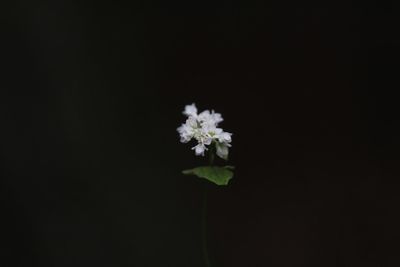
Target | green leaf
(215,174)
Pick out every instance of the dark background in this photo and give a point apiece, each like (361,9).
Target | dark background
(91,97)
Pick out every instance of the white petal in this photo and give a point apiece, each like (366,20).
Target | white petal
(225,137)
(207,140)
(199,150)
(185,138)
(185,132)
(205,116)
(216,117)
(190,110)
(222,151)
(218,131)
(181,128)
(192,122)
(208,125)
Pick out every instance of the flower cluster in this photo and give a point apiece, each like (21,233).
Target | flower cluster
(204,129)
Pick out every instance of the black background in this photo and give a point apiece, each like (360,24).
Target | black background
(91,97)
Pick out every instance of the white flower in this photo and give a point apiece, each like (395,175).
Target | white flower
(185,132)
(225,137)
(199,149)
(216,117)
(204,129)
(211,117)
(190,110)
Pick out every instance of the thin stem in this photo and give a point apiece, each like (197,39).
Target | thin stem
(204,230)
(211,154)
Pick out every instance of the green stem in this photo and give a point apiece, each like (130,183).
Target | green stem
(212,154)
(204,230)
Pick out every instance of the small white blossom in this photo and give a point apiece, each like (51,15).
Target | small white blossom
(199,149)
(190,110)
(225,137)
(204,129)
